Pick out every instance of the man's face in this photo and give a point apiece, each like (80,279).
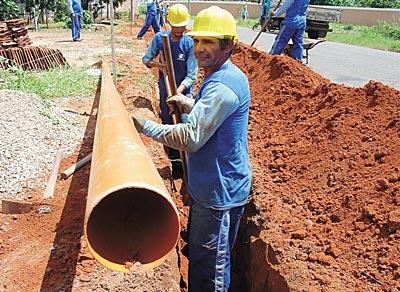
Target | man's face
(177,32)
(208,53)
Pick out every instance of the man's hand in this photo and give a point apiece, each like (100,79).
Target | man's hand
(153,64)
(138,121)
(183,103)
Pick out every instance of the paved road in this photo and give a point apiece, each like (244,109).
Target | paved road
(342,64)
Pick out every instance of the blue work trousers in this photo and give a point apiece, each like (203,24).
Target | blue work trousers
(285,34)
(151,19)
(212,234)
(76,27)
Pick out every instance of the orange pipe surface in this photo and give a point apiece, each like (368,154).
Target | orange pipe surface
(131,223)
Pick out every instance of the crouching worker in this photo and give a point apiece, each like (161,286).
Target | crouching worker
(185,69)
(215,137)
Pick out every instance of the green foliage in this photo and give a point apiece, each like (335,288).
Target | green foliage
(387,29)
(102,4)
(61,10)
(87,19)
(348,27)
(359,3)
(58,82)
(332,2)
(8,10)
(378,3)
(384,36)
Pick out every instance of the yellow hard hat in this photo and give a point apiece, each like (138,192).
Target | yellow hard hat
(215,22)
(178,15)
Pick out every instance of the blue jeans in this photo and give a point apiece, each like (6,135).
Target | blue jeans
(212,234)
(151,19)
(282,39)
(76,27)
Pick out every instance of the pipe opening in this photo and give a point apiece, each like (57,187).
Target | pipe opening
(133,226)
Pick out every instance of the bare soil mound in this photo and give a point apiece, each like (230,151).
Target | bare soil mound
(325,200)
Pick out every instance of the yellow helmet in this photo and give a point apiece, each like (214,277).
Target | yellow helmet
(215,22)
(178,15)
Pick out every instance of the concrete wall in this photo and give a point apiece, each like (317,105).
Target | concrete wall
(355,16)
(369,16)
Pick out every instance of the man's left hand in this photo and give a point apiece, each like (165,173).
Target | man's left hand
(138,121)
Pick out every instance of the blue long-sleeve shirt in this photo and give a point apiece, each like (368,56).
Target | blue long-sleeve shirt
(215,137)
(295,12)
(74,6)
(183,51)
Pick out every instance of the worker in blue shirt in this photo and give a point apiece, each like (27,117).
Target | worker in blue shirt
(293,27)
(265,5)
(151,19)
(245,14)
(215,137)
(185,69)
(75,11)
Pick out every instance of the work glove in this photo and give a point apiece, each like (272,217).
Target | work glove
(183,103)
(138,121)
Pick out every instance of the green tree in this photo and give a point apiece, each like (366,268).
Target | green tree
(332,2)
(103,3)
(8,10)
(359,3)
(378,3)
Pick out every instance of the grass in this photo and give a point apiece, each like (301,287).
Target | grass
(385,36)
(55,83)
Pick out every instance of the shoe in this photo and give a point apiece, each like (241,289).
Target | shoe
(177,169)
(139,38)
(77,40)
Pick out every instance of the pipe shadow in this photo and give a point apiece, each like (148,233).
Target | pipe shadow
(64,257)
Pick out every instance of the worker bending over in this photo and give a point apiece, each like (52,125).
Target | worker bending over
(293,27)
(151,19)
(215,137)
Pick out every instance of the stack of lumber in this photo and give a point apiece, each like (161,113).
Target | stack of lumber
(13,33)
(6,39)
(32,58)
(15,49)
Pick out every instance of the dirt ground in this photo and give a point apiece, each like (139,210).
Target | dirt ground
(323,213)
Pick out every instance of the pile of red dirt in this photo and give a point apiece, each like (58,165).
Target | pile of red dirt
(324,210)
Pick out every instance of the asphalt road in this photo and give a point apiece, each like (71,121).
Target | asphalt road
(340,63)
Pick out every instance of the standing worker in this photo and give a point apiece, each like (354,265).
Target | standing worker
(293,27)
(161,12)
(75,12)
(185,69)
(265,5)
(215,137)
(245,14)
(151,19)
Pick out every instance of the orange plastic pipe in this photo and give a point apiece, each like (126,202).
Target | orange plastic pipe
(131,223)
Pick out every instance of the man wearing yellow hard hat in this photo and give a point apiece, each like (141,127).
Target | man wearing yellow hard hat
(215,137)
(185,69)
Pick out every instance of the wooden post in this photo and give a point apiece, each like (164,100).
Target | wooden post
(51,183)
(177,117)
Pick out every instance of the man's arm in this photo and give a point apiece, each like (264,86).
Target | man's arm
(285,6)
(71,10)
(151,52)
(217,103)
